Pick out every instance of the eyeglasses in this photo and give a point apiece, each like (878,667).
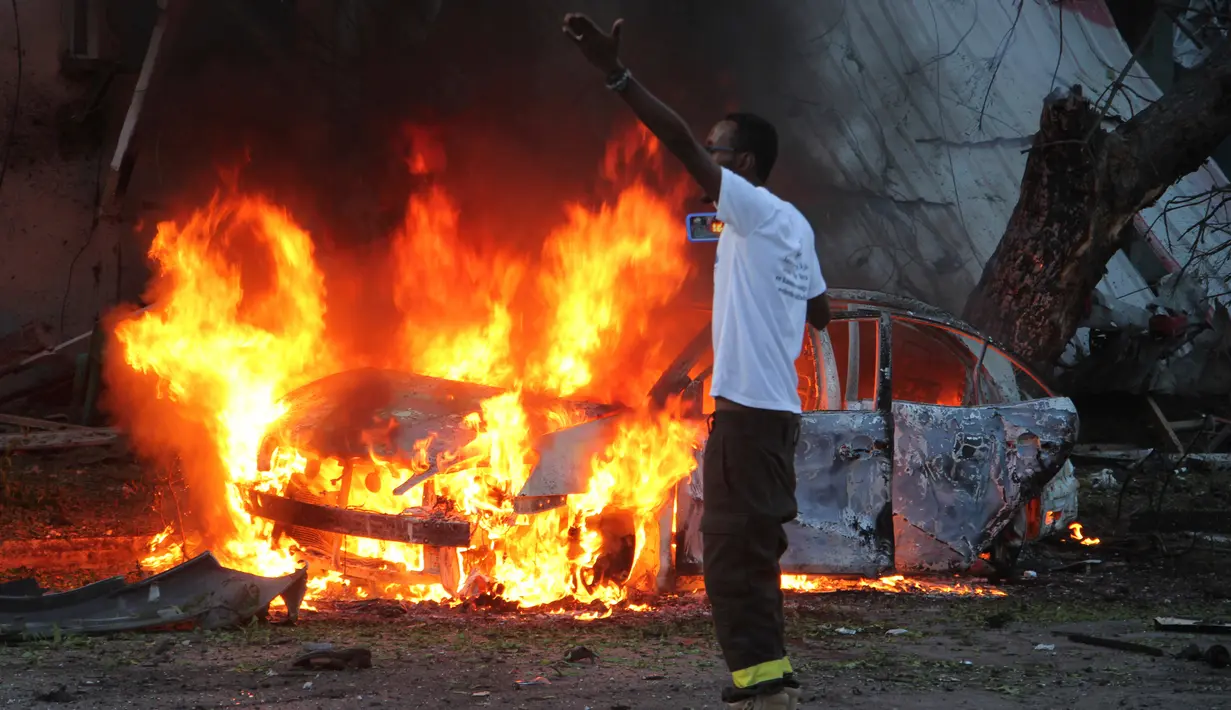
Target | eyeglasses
(712,149)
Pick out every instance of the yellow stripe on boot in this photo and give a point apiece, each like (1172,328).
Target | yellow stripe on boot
(761,672)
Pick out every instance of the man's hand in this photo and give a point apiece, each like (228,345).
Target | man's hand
(601,49)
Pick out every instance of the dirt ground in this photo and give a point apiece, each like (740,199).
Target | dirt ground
(950,657)
(963,652)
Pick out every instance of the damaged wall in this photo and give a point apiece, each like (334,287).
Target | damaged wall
(66,122)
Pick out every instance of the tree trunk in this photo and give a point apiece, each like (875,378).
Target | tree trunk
(1081,187)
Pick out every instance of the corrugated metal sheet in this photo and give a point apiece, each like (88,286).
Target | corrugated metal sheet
(918,112)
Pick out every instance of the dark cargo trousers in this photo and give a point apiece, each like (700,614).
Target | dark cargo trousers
(748,476)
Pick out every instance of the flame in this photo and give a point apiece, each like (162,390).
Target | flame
(1076,534)
(590,276)
(164,554)
(239,321)
(464,328)
(896,583)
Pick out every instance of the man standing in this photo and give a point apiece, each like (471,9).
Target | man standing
(767,283)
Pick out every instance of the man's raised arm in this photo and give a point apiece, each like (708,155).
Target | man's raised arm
(603,51)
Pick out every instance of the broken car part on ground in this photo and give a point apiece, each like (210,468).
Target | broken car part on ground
(199,592)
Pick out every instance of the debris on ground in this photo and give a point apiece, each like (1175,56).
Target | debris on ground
(331,660)
(1079,566)
(1115,644)
(538,680)
(1164,623)
(59,695)
(1217,655)
(580,653)
(1105,479)
(200,592)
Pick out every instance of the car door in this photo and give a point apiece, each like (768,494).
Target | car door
(969,454)
(843,464)
(963,473)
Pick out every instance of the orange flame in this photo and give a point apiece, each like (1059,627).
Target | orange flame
(895,583)
(239,322)
(1076,534)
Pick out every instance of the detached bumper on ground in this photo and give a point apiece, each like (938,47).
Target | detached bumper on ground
(200,592)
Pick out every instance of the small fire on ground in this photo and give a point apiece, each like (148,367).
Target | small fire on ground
(239,319)
(1075,533)
(895,583)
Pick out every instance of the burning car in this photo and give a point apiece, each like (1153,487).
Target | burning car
(925,448)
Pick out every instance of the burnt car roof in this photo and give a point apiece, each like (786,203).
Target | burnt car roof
(347,414)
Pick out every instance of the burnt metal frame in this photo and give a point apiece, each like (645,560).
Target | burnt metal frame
(420,527)
(903,307)
(910,309)
(882,394)
(884,309)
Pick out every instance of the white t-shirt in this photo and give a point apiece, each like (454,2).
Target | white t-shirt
(765,273)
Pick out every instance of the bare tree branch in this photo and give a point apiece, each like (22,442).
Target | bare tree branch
(998,59)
